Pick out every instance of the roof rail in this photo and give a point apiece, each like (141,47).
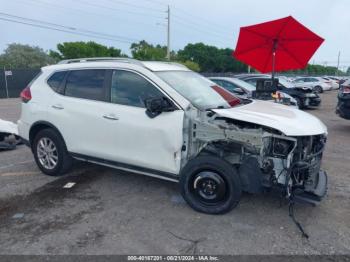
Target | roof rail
(101,59)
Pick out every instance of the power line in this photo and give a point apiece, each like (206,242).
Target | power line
(136,6)
(185,24)
(200,29)
(115,9)
(79,11)
(157,2)
(64,30)
(188,16)
(66,27)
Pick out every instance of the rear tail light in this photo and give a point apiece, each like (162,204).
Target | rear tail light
(26,95)
(346,89)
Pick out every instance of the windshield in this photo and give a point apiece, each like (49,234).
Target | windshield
(201,92)
(243,84)
(285,83)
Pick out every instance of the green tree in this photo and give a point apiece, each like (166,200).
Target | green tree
(317,70)
(71,50)
(211,58)
(24,56)
(191,65)
(145,51)
(348,71)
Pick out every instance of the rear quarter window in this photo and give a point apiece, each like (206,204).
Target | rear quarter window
(55,81)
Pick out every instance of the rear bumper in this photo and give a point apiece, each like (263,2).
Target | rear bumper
(343,108)
(326,87)
(23,130)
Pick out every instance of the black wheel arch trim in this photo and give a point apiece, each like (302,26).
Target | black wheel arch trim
(41,122)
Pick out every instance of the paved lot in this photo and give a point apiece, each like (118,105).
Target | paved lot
(112,212)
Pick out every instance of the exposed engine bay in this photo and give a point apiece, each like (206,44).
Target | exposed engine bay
(264,157)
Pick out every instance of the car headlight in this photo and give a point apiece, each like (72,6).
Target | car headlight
(280,148)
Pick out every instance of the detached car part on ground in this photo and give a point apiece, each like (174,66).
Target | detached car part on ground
(8,135)
(184,129)
(343,107)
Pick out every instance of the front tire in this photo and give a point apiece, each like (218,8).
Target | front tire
(300,103)
(50,153)
(210,185)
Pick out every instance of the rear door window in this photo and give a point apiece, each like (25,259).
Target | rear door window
(56,80)
(252,81)
(87,84)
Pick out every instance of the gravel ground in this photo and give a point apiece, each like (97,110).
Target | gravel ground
(113,212)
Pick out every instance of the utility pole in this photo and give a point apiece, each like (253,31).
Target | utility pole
(336,73)
(168,34)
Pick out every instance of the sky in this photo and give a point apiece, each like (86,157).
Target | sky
(211,22)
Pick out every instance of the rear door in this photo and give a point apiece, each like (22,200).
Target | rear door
(76,110)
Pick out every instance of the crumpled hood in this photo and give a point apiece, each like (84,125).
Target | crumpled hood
(288,120)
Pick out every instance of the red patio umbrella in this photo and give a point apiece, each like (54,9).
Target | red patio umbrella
(278,45)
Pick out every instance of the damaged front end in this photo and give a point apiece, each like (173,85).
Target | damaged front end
(8,135)
(265,158)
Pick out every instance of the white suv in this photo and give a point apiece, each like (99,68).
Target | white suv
(163,120)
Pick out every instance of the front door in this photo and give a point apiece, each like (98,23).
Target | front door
(134,138)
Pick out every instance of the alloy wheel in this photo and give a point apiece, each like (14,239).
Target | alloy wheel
(47,153)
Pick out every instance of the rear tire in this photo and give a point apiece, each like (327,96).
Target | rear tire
(210,185)
(318,89)
(50,153)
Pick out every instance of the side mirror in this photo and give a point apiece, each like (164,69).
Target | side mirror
(156,105)
(239,91)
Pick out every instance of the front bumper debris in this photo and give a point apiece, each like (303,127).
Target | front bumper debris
(315,194)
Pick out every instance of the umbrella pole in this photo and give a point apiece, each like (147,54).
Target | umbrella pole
(273,65)
(274,58)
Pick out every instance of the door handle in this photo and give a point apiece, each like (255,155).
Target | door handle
(59,107)
(110,117)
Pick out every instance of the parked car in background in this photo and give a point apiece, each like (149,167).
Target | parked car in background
(342,80)
(333,82)
(242,88)
(163,120)
(288,79)
(305,96)
(316,83)
(343,106)
(244,76)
